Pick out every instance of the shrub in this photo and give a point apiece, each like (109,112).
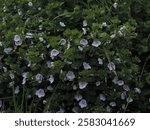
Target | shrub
(74,56)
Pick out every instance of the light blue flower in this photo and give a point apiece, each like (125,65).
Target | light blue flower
(82,84)
(83,103)
(96,43)
(70,75)
(40,93)
(86,66)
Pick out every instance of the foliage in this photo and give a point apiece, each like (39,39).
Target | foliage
(74,56)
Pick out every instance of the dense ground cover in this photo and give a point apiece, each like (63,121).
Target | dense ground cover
(75,56)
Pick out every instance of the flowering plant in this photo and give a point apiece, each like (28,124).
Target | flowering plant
(74,56)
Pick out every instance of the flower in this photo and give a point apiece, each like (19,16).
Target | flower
(102,97)
(30,4)
(50,64)
(63,41)
(137,90)
(7,50)
(39,78)
(17,90)
(83,42)
(113,104)
(62,24)
(40,93)
(29,35)
(80,48)
(115,5)
(78,97)
(115,80)
(84,30)
(51,79)
(100,61)
(126,88)
(120,82)
(54,53)
(108,109)
(83,103)
(96,43)
(82,84)
(50,88)
(129,99)
(70,76)
(98,83)
(1,103)
(104,24)
(113,36)
(17,40)
(123,95)
(111,66)
(86,66)
(84,23)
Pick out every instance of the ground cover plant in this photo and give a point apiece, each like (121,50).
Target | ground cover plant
(75,55)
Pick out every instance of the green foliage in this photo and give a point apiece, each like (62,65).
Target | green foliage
(74,56)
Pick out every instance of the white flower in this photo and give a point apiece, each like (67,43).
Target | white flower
(84,23)
(80,48)
(113,36)
(102,97)
(29,35)
(96,43)
(78,97)
(126,88)
(104,24)
(83,42)
(62,24)
(120,82)
(70,75)
(7,50)
(109,109)
(12,76)
(40,93)
(84,30)
(30,4)
(50,64)
(63,41)
(83,103)
(123,106)
(1,43)
(137,90)
(129,99)
(115,5)
(39,78)
(50,88)
(51,79)
(100,61)
(25,74)
(44,101)
(75,109)
(86,66)
(54,53)
(17,90)
(82,84)
(123,95)
(23,81)
(41,39)
(113,104)
(98,83)
(111,66)
(1,103)
(75,87)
